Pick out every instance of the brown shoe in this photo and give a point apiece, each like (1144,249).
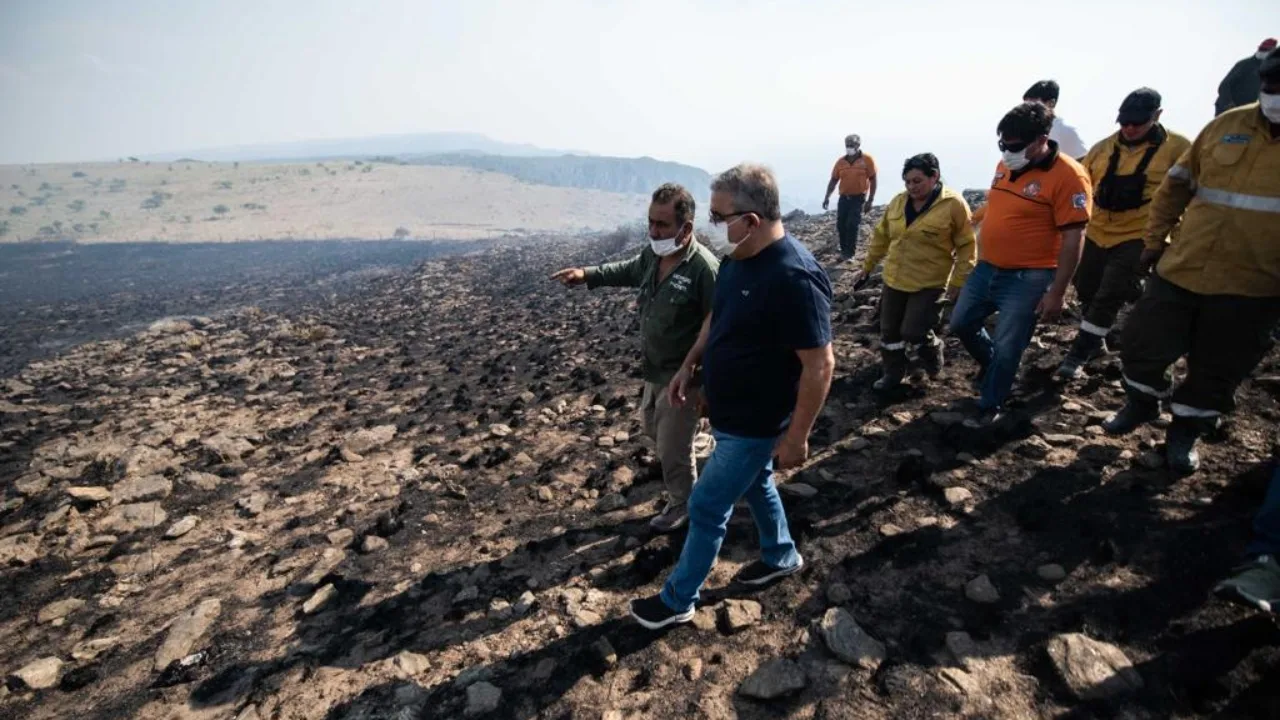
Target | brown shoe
(672,518)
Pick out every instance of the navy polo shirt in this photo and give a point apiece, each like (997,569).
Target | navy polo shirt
(765,309)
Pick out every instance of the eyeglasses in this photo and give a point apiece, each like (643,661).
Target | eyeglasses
(1012,147)
(717,218)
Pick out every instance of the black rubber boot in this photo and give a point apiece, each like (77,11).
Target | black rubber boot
(930,355)
(1086,347)
(1139,409)
(895,367)
(1180,443)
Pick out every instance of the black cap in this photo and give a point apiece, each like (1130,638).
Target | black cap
(1269,70)
(1139,108)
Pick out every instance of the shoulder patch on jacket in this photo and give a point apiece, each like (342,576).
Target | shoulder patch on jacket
(1237,138)
(1079,201)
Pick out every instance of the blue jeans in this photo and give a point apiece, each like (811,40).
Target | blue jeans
(738,467)
(1266,525)
(1014,294)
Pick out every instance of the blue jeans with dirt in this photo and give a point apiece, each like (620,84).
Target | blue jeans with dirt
(1266,524)
(1014,294)
(739,467)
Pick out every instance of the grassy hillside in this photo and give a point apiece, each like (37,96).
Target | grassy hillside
(198,201)
(612,174)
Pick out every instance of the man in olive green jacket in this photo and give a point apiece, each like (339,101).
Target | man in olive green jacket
(676,277)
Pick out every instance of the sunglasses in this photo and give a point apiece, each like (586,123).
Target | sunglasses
(1012,147)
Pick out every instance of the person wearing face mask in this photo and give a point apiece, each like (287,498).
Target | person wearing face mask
(927,243)
(1240,86)
(855,174)
(1126,168)
(676,277)
(1037,209)
(766,354)
(1046,93)
(1215,293)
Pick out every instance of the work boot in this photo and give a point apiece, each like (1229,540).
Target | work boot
(1255,584)
(895,367)
(930,354)
(1180,443)
(1086,347)
(1139,409)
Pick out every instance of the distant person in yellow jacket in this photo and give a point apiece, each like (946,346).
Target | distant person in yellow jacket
(926,241)
(1126,169)
(1215,295)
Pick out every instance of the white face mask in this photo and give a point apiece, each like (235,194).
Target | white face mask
(1015,161)
(723,243)
(1262,54)
(850,151)
(1270,103)
(663,248)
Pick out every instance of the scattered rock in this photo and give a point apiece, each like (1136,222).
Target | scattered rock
(89,494)
(890,530)
(373,544)
(90,650)
(186,630)
(342,537)
(22,549)
(319,599)
(182,527)
(500,431)
(254,504)
(40,675)
(849,642)
(604,652)
(704,621)
(799,489)
(140,489)
(980,590)
(467,594)
(962,648)
(957,495)
(859,444)
(482,699)
(1071,407)
(132,518)
(605,441)
(774,679)
(545,495)
(1052,573)
(1093,670)
(411,664)
(736,615)
(361,442)
(610,503)
(59,610)
(227,449)
(586,619)
(966,458)
(1063,440)
(31,485)
(524,604)
(839,594)
(692,669)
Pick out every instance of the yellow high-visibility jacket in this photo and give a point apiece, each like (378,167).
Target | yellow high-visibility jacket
(1108,228)
(937,250)
(1226,191)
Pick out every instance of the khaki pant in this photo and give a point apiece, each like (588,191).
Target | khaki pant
(673,429)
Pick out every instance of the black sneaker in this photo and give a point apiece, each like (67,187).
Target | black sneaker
(757,573)
(985,419)
(654,614)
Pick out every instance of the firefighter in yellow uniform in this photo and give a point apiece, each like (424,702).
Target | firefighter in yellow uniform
(1126,170)
(1215,295)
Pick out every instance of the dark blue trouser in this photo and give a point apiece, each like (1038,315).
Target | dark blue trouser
(848,220)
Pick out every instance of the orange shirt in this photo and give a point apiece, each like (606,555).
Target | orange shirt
(1027,212)
(855,177)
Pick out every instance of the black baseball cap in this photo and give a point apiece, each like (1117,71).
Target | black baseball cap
(1139,107)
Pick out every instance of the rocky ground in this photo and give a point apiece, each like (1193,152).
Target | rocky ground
(431,500)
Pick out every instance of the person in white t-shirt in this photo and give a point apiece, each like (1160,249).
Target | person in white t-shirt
(1046,92)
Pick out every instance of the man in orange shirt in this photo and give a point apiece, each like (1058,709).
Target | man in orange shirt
(855,173)
(1030,245)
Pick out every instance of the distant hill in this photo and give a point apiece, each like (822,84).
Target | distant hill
(360,148)
(611,174)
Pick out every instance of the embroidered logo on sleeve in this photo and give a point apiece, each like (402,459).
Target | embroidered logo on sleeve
(1236,139)
(1079,201)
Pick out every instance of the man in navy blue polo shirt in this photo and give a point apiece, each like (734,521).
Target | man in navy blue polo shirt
(765,353)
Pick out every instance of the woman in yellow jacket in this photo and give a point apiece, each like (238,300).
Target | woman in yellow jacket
(926,241)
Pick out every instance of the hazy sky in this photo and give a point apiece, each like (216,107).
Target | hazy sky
(708,83)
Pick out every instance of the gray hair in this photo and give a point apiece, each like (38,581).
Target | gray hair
(753,189)
(852,141)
